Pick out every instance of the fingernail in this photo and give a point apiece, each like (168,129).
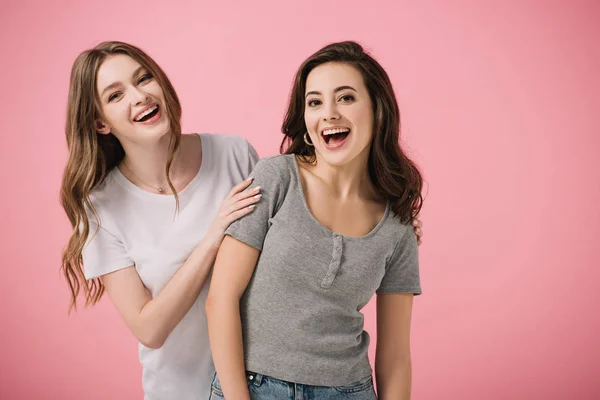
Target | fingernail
(249,178)
(251,207)
(258,196)
(256,189)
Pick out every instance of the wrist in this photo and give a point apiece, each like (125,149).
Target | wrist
(211,241)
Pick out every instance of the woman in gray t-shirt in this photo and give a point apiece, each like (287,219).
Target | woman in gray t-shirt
(330,232)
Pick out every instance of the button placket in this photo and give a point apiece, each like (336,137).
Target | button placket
(335,263)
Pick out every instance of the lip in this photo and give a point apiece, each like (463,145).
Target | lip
(334,127)
(336,145)
(144,110)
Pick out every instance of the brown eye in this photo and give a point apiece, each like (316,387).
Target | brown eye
(113,96)
(144,78)
(314,103)
(347,98)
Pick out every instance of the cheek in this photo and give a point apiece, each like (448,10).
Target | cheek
(369,124)
(310,122)
(116,116)
(364,121)
(123,115)
(155,89)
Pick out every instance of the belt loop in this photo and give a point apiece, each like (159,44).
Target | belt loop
(259,379)
(256,379)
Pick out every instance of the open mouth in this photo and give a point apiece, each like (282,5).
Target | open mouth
(335,137)
(146,115)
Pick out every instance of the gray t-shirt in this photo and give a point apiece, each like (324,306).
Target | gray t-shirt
(301,310)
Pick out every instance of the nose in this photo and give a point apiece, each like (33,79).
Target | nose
(330,112)
(139,97)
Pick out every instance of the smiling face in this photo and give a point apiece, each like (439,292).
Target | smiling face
(338,114)
(131,101)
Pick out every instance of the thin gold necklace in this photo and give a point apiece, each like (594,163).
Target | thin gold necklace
(160,188)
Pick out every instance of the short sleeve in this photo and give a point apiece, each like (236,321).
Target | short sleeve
(402,269)
(252,228)
(103,253)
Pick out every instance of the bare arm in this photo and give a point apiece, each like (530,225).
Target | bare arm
(393,369)
(152,319)
(233,269)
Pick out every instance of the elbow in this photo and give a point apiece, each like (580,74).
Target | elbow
(217,303)
(152,344)
(151,339)
(386,363)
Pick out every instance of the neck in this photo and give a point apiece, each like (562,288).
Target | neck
(147,163)
(349,180)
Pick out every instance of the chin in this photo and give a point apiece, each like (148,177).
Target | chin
(155,134)
(344,157)
(337,159)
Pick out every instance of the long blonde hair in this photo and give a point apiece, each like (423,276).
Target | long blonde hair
(92,155)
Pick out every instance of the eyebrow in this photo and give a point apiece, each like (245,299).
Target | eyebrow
(115,84)
(337,89)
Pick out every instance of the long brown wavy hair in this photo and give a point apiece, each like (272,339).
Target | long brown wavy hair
(92,155)
(393,174)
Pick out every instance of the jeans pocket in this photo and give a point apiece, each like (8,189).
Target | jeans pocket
(358,386)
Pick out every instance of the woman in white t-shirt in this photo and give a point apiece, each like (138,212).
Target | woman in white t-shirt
(149,207)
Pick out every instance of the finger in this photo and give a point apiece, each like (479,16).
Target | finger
(240,213)
(417,223)
(245,194)
(419,241)
(240,186)
(419,232)
(238,205)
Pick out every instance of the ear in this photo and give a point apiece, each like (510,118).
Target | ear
(102,128)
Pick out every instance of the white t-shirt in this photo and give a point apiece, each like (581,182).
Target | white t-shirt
(142,229)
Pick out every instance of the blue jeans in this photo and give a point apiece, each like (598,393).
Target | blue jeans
(265,388)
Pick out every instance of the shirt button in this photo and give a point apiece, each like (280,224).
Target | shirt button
(251,377)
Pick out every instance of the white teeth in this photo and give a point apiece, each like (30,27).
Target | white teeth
(148,111)
(334,131)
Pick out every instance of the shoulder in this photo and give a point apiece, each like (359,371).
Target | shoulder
(106,199)
(226,143)
(232,149)
(281,166)
(396,233)
(281,162)
(401,231)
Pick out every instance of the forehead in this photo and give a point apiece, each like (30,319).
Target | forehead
(115,68)
(331,75)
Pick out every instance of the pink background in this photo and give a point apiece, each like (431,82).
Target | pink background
(500,104)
